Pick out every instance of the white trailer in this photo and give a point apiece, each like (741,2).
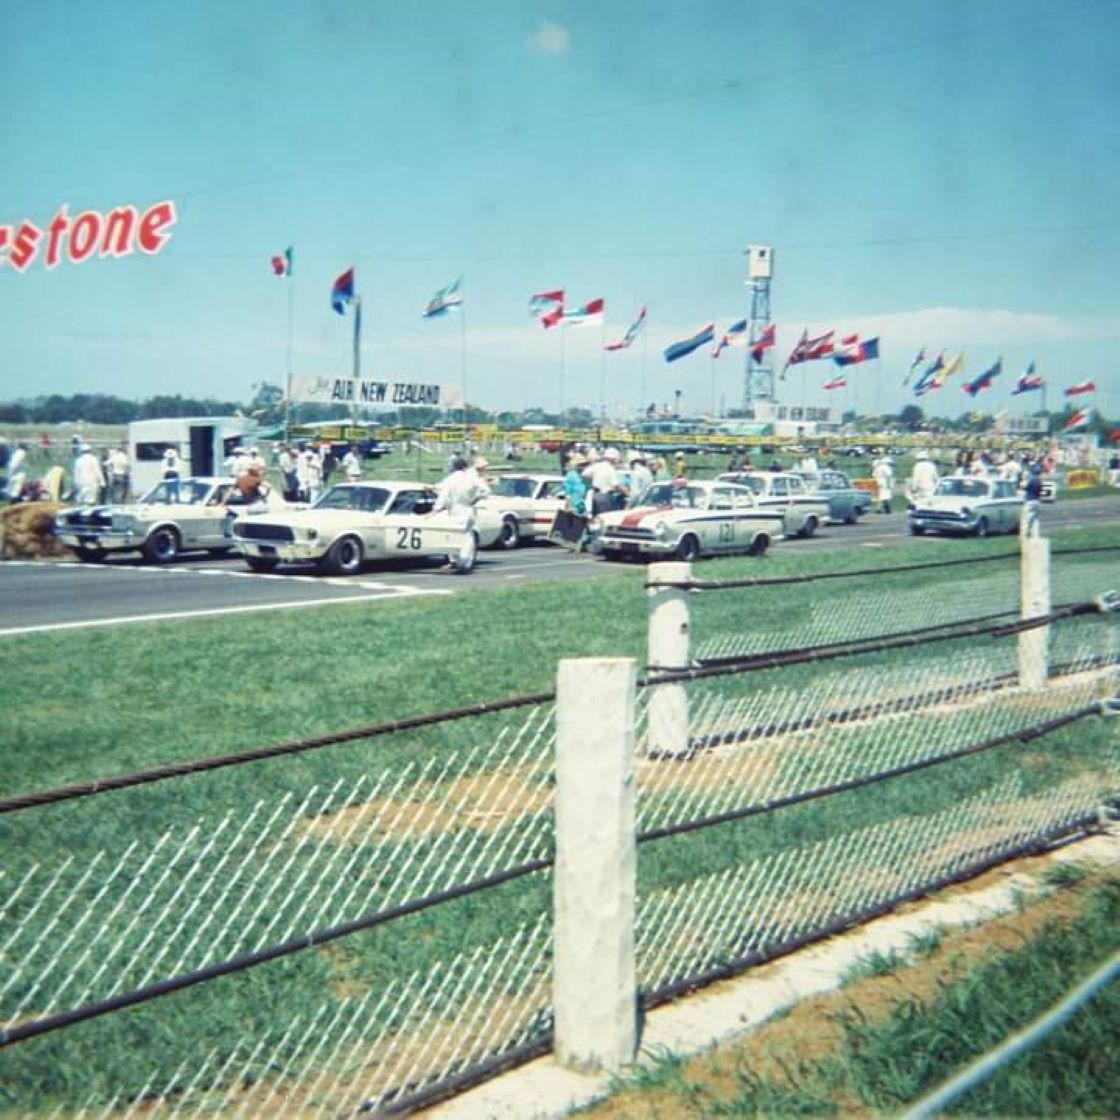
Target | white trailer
(203,442)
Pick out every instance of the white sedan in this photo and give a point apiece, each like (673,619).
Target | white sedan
(526,505)
(968,504)
(683,520)
(803,512)
(167,520)
(353,523)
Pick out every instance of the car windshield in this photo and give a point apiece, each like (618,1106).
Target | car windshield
(371,499)
(752,483)
(189,492)
(513,487)
(673,494)
(963,488)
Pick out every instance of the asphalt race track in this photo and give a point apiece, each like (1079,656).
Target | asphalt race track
(51,596)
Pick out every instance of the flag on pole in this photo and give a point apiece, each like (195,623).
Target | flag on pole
(547,307)
(342,291)
(984,381)
(836,383)
(851,355)
(1029,382)
(1079,420)
(1081,387)
(932,377)
(589,315)
(687,345)
(953,365)
(631,332)
(763,343)
(282,263)
(735,335)
(810,349)
(918,359)
(445,300)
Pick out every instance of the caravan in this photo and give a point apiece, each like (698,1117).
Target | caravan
(203,442)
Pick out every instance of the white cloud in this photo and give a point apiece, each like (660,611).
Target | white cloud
(549,38)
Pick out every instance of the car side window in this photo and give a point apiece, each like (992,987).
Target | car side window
(779,488)
(721,499)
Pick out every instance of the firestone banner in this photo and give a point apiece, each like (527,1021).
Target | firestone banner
(314,388)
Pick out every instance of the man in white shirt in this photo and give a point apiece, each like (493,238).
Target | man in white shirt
(924,477)
(352,464)
(602,479)
(89,479)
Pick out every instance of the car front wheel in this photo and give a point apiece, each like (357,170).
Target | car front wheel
(261,563)
(688,549)
(982,527)
(508,536)
(162,546)
(344,557)
(809,528)
(759,545)
(89,555)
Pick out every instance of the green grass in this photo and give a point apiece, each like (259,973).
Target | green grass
(97,703)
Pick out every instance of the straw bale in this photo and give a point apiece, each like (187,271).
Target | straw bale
(27,533)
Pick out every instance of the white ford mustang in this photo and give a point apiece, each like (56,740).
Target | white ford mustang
(355,523)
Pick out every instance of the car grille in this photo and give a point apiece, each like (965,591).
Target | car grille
(938,515)
(96,518)
(624,534)
(255,531)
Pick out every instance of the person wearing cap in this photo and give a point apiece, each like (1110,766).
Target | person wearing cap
(89,478)
(575,485)
(602,479)
(352,464)
(310,472)
(680,467)
(475,474)
(171,473)
(641,479)
(923,477)
(882,472)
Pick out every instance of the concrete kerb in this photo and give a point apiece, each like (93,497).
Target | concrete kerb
(542,1090)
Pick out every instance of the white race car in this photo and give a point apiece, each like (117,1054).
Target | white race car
(525,504)
(683,520)
(803,512)
(355,523)
(167,520)
(968,504)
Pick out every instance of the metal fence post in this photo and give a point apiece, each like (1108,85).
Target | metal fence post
(669,634)
(594,984)
(1034,600)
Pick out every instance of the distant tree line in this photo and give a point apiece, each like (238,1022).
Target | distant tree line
(99,408)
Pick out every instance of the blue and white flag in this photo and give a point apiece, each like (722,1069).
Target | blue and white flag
(445,300)
(687,345)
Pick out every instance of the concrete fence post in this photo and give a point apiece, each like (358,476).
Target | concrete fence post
(1034,600)
(669,636)
(594,984)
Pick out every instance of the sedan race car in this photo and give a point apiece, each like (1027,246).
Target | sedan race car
(169,519)
(785,492)
(356,522)
(526,505)
(846,504)
(683,520)
(968,505)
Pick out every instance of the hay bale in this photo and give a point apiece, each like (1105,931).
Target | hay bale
(27,532)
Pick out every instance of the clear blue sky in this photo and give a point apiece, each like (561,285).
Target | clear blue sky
(936,173)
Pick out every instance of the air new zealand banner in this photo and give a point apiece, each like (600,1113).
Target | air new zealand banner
(314,388)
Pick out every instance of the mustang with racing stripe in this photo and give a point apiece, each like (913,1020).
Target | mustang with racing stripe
(683,520)
(354,523)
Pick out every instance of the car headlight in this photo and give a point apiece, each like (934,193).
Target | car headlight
(312,534)
(661,530)
(965,511)
(595,525)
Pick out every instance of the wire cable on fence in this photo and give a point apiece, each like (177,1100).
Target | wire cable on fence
(785,581)
(991,1063)
(48,1023)
(259,754)
(753,663)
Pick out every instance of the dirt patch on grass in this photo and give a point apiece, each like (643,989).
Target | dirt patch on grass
(783,1049)
(27,532)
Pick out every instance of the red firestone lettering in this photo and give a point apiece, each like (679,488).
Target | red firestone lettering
(26,245)
(151,237)
(84,232)
(5,237)
(118,232)
(55,231)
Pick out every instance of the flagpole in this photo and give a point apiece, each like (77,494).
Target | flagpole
(642,372)
(463,359)
(288,392)
(357,356)
(560,415)
(603,371)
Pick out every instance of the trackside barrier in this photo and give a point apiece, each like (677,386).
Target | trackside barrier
(558,806)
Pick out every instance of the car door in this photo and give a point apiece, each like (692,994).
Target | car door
(722,535)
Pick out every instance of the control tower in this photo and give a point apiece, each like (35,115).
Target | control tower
(758,383)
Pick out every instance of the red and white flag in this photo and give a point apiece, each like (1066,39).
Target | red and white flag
(836,383)
(1081,387)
